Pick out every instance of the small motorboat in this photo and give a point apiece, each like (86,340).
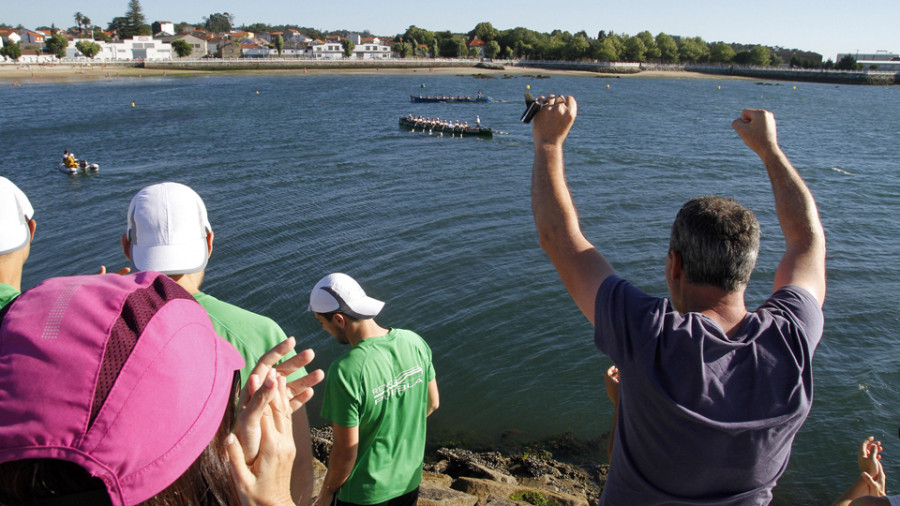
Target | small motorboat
(83,167)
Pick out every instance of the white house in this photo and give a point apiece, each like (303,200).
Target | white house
(326,51)
(166,28)
(10,35)
(140,47)
(371,51)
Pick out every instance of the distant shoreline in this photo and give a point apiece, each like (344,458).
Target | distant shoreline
(64,72)
(24,74)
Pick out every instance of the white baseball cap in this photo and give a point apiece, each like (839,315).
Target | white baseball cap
(15,211)
(339,292)
(167,228)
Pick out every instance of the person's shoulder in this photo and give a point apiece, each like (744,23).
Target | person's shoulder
(235,319)
(793,297)
(212,304)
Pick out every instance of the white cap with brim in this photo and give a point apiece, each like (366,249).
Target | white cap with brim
(339,292)
(15,211)
(167,228)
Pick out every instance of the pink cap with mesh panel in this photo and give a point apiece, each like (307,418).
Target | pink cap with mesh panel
(122,375)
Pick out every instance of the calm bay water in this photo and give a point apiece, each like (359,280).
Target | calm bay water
(305,175)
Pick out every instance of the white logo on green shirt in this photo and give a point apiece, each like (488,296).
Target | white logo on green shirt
(403,382)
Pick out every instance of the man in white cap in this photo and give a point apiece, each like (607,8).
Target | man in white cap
(377,396)
(168,231)
(16,232)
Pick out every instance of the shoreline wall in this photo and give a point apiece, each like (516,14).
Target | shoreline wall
(214,64)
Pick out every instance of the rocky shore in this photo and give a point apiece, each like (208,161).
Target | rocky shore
(562,471)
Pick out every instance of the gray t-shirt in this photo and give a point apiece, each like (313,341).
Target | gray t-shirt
(704,418)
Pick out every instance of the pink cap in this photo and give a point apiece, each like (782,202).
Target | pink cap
(122,375)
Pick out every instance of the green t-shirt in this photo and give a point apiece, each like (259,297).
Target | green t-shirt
(7,294)
(252,334)
(381,386)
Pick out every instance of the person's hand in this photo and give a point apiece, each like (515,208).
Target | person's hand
(612,384)
(868,456)
(553,122)
(757,128)
(300,390)
(121,272)
(261,467)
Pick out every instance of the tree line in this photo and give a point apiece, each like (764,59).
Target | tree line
(515,43)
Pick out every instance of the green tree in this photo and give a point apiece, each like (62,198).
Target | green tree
(218,22)
(760,55)
(279,43)
(462,49)
(11,50)
(635,49)
(693,50)
(492,49)
(577,48)
(651,51)
(79,18)
(848,62)
(418,35)
(668,49)
(348,46)
(610,48)
(87,48)
(484,31)
(182,48)
(135,22)
(435,50)
(721,52)
(57,45)
(132,23)
(86,23)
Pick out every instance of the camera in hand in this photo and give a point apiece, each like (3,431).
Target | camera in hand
(532,106)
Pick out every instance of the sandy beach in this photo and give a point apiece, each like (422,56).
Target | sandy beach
(30,74)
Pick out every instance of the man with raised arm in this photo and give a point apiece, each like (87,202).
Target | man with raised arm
(168,231)
(16,232)
(711,395)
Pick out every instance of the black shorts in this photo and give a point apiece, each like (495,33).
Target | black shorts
(407,499)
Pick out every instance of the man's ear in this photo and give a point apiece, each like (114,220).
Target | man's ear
(32,225)
(209,241)
(339,320)
(126,246)
(675,266)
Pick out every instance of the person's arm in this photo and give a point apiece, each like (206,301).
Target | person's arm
(869,487)
(302,473)
(803,263)
(340,462)
(581,267)
(434,397)
(612,391)
(263,479)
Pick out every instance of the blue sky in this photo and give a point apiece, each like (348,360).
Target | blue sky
(824,26)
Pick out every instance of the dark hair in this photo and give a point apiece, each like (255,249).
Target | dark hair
(207,482)
(718,240)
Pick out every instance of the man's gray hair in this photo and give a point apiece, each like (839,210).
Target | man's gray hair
(718,240)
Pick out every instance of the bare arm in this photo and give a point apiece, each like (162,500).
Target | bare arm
(803,263)
(434,398)
(340,462)
(302,472)
(581,267)
(869,488)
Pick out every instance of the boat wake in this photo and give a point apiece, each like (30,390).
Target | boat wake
(842,171)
